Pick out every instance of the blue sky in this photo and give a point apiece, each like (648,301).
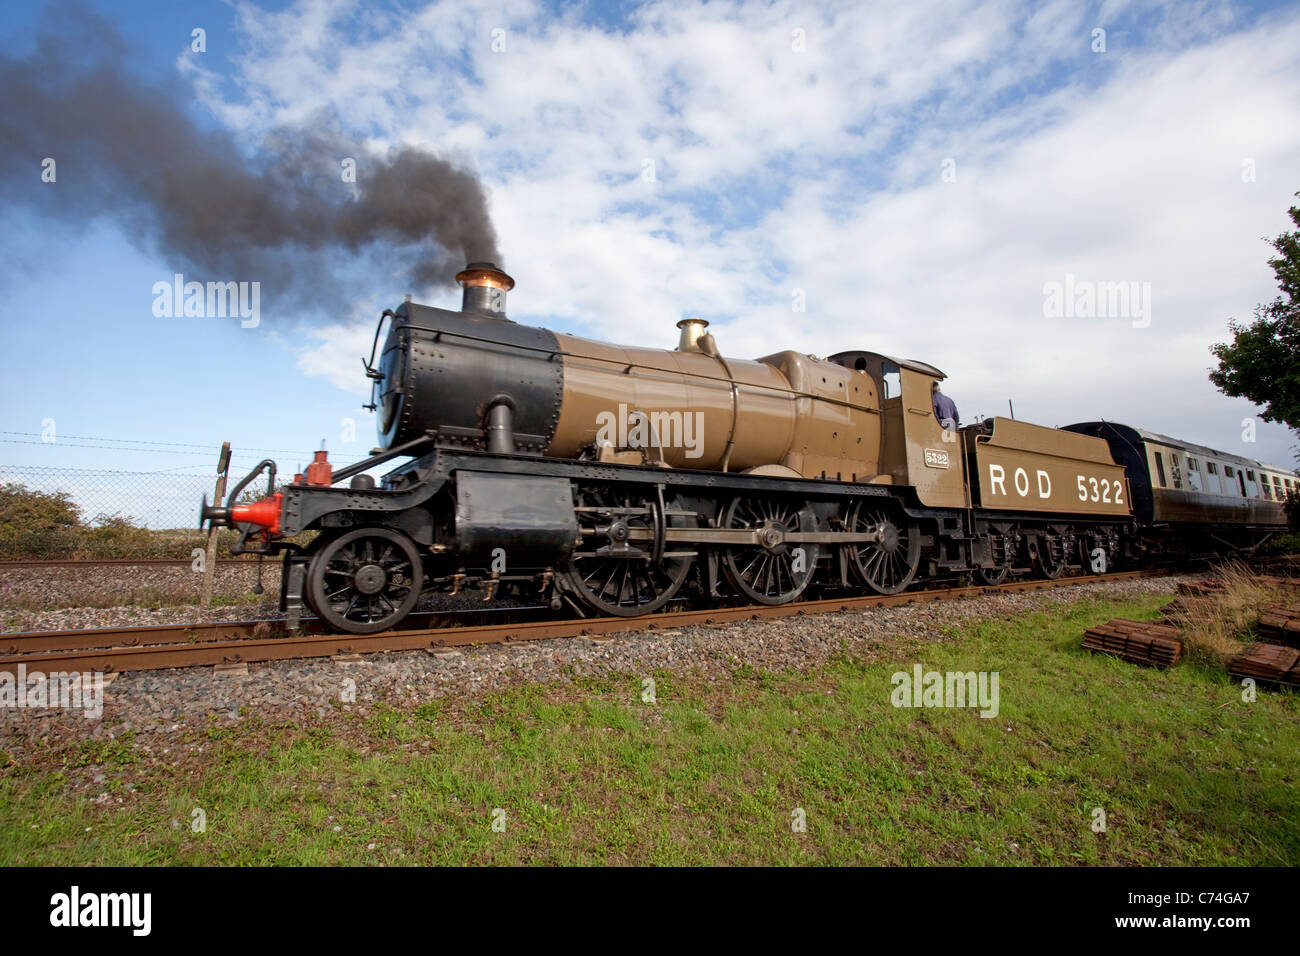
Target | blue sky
(776,170)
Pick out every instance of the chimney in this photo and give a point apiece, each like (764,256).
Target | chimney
(485,289)
(692,329)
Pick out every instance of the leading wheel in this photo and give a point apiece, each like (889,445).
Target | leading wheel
(365,581)
(610,572)
(889,565)
(773,571)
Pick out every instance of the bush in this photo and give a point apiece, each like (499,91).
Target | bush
(114,535)
(48,526)
(1292,506)
(36,523)
(44,526)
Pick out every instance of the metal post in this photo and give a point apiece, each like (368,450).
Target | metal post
(218,495)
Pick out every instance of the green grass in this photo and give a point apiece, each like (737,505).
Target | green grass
(1185,771)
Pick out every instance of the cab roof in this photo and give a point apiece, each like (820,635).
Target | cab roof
(848,358)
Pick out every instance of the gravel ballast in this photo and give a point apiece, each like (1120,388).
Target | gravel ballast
(166,703)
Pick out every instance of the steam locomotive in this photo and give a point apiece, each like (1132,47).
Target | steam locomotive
(613,479)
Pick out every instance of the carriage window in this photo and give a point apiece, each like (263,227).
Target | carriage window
(1160,469)
(1211,467)
(1267,488)
(1193,465)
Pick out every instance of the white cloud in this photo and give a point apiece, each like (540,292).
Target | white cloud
(821,170)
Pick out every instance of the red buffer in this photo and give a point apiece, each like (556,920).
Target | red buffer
(265,513)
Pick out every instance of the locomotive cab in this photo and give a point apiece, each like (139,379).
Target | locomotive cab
(916,449)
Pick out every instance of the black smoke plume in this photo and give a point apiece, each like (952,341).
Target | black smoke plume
(277,210)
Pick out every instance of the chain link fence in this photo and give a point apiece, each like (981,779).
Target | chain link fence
(49,513)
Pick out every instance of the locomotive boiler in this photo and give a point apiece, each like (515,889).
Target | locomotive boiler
(614,479)
(476,380)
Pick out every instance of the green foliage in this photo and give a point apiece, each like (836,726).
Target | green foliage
(1292,506)
(117,535)
(40,525)
(53,510)
(1262,362)
(36,522)
(1286,543)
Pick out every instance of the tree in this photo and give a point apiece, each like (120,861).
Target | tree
(1262,362)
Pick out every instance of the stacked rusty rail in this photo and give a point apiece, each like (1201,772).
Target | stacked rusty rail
(1271,659)
(1206,587)
(1280,624)
(1146,643)
(1268,662)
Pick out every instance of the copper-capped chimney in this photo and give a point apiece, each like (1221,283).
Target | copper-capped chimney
(485,289)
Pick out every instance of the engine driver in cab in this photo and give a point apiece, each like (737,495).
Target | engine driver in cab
(944,409)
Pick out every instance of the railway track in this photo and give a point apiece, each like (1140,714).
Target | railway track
(149,648)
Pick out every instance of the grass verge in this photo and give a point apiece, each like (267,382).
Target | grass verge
(715,772)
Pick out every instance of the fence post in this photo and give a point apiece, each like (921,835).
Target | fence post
(218,495)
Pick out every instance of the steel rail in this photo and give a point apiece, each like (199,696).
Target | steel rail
(120,657)
(79,639)
(117,563)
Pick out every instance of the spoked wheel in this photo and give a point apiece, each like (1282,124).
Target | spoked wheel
(1048,554)
(1003,550)
(776,571)
(365,581)
(889,565)
(613,574)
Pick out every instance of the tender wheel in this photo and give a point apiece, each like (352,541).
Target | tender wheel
(1004,552)
(1092,561)
(616,576)
(365,581)
(889,565)
(1047,552)
(775,572)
